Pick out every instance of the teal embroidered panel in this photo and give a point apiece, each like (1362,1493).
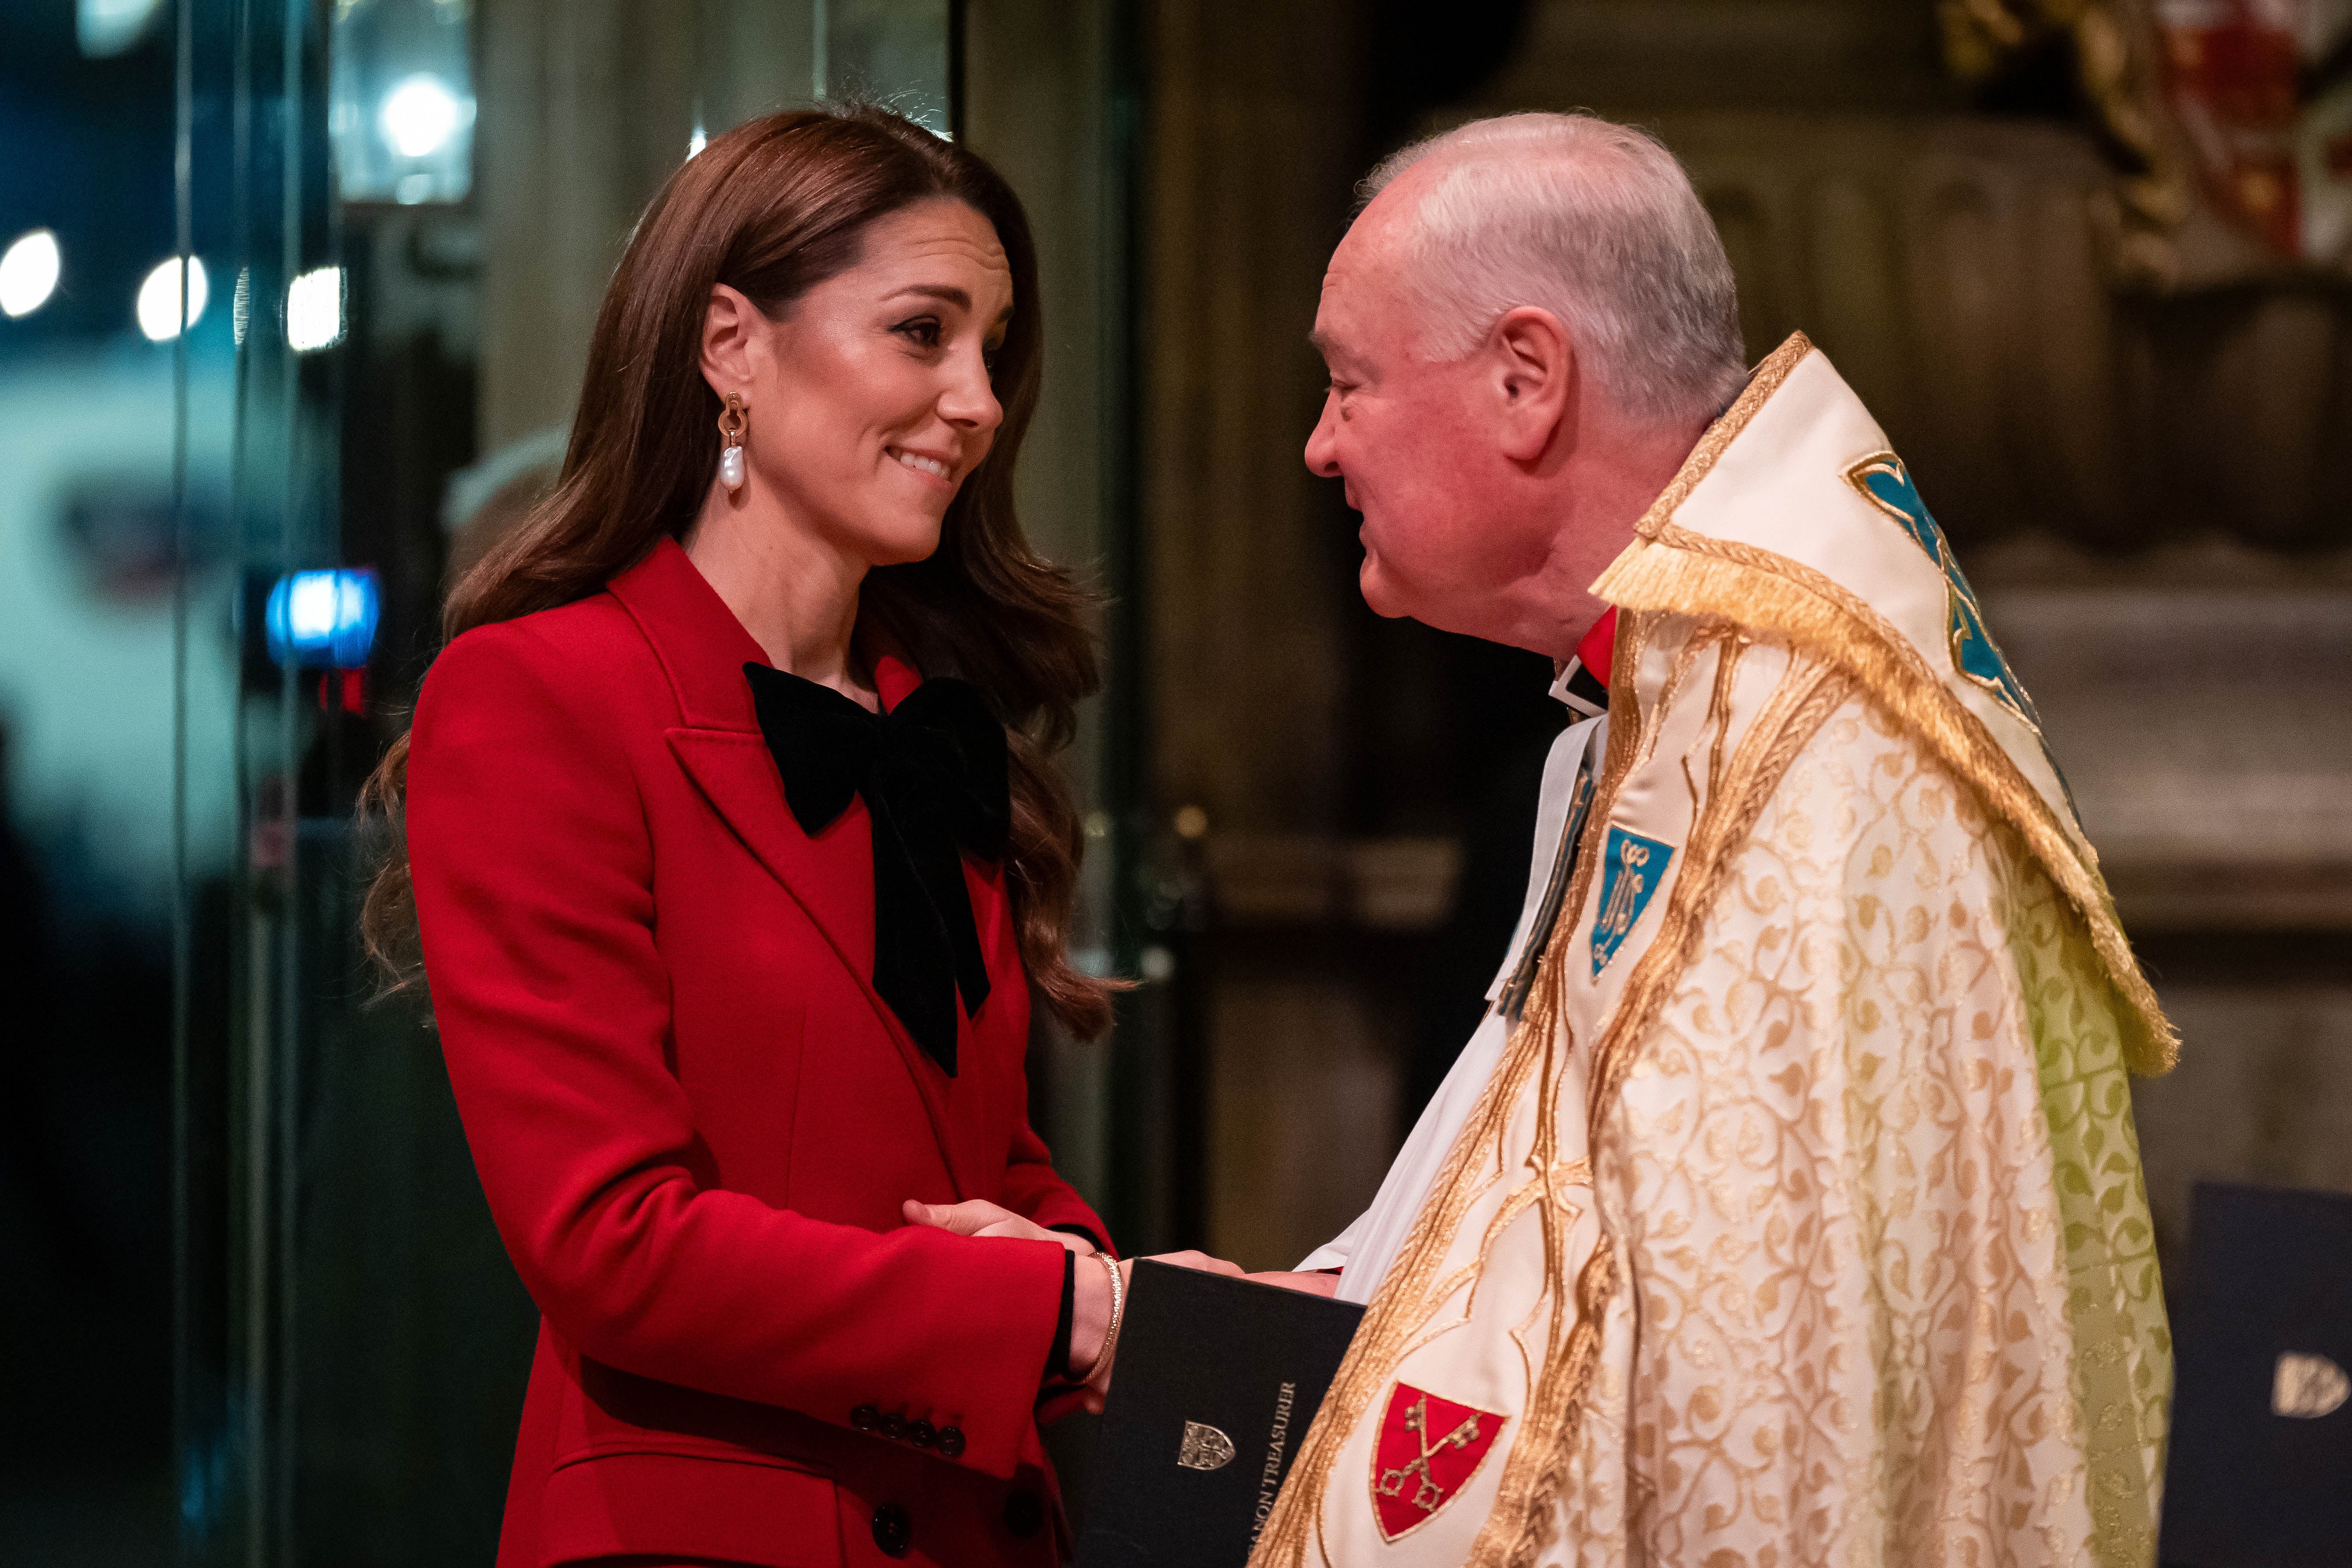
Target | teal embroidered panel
(1887,484)
(1631,867)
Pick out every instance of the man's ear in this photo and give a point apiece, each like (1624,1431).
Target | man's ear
(1534,366)
(730,325)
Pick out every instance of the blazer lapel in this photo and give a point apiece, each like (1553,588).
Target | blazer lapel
(831,877)
(703,648)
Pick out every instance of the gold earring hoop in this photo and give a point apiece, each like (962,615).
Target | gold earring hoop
(734,425)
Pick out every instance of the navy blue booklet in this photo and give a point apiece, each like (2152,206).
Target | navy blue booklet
(2260,1470)
(1216,1382)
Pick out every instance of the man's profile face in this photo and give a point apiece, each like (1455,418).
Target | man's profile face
(1405,434)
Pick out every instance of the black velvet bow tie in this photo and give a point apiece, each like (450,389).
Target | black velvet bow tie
(932,770)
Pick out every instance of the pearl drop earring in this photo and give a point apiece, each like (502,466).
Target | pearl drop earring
(734,424)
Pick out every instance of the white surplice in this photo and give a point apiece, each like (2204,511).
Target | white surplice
(1365,1249)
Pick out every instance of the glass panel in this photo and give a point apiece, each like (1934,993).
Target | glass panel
(401,100)
(261,729)
(751,59)
(271,358)
(891,51)
(90,527)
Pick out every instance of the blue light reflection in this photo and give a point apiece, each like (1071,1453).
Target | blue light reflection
(323,620)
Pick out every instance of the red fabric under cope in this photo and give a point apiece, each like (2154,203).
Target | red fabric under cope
(1598,650)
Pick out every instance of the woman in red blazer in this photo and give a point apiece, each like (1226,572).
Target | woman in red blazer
(733,918)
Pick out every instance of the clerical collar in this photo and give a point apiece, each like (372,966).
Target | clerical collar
(1583,683)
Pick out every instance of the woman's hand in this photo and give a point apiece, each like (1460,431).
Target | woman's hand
(1090,1305)
(1090,1315)
(977,1216)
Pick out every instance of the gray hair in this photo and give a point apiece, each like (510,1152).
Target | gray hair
(1594,222)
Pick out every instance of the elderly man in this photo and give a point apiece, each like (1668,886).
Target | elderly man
(1786,1207)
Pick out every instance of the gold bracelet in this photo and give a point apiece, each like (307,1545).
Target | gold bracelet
(1117,1310)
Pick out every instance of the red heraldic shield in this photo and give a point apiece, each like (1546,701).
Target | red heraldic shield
(1429,1449)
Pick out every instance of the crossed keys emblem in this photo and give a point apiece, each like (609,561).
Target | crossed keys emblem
(1426,1493)
(1410,1447)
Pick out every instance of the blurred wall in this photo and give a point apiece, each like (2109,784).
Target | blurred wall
(1254,141)
(1043,100)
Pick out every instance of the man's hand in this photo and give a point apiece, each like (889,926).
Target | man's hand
(1322,1283)
(976,1216)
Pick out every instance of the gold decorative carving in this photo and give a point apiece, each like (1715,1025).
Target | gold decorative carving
(1983,38)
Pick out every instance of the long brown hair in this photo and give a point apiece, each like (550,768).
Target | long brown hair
(772,208)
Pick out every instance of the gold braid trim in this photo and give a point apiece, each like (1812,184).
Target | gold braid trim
(1515,1530)
(1669,568)
(1519,1524)
(1512,1533)
(1399,1308)
(1404,1301)
(1516,1494)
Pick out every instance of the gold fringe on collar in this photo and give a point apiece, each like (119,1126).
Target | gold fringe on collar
(1669,568)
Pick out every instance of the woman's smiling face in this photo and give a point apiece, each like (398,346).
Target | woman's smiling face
(871,400)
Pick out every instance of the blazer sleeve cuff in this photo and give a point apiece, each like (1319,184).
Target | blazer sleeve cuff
(1057,1359)
(1085,1233)
(1013,1298)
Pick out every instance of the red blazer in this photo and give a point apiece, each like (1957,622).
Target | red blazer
(696,1121)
